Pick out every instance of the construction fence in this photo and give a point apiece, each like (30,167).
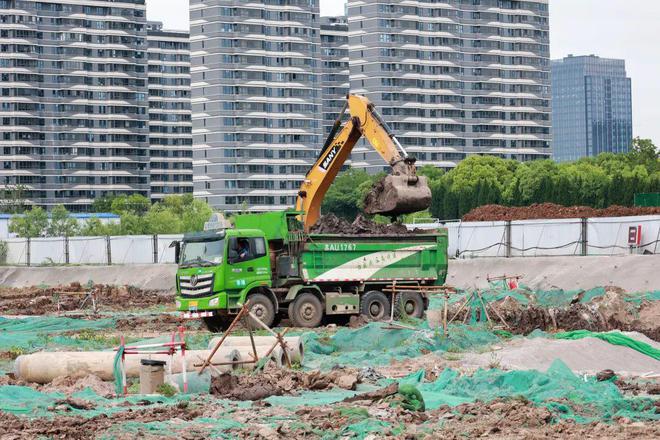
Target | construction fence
(528,238)
(557,237)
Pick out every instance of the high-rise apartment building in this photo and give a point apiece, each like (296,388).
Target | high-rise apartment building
(591,108)
(170,123)
(334,61)
(256,100)
(74,102)
(454,78)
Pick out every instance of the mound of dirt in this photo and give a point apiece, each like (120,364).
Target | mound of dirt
(331,224)
(69,385)
(278,382)
(608,312)
(551,211)
(41,301)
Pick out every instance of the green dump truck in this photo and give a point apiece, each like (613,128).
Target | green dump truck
(284,272)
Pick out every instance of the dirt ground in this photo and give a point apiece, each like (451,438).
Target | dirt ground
(41,301)
(499,419)
(550,211)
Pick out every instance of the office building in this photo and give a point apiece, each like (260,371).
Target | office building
(591,108)
(74,100)
(454,78)
(334,73)
(170,122)
(256,100)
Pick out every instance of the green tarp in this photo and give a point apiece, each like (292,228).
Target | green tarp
(615,338)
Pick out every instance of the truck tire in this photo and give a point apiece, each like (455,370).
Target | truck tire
(375,305)
(263,308)
(306,311)
(216,323)
(409,304)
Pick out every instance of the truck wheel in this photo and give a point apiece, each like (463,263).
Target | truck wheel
(216,323)
(263,308)
(409,304)
(306,311)
(375,305)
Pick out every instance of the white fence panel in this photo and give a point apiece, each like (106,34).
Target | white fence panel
(481,239)
(88,250)
(16,251)
(45,251)
(609,236)
(134,249)
(532,238)
(165,252)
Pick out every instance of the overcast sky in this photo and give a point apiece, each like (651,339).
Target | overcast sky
(628,29)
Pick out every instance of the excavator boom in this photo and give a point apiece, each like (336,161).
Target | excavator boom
(400,192)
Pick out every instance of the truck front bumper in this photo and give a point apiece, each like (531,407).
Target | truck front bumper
(202,307)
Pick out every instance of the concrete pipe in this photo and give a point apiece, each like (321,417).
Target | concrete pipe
(43,367)
(296,349)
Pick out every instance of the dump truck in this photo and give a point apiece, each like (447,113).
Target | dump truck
(272,259)
(285,272)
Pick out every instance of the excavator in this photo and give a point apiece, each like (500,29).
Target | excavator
(271,260)
(401,192)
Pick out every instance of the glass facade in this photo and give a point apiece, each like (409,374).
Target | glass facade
(170,121)
(74,107)
(454,77)
(256,100)
(592,107)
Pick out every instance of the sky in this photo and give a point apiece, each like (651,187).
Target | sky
(627,29)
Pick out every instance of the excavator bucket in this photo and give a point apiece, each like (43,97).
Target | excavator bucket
(398,194)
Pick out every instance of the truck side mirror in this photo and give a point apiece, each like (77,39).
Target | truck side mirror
(177,250)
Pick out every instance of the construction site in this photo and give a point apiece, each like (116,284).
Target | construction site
(515,348)
(537,322)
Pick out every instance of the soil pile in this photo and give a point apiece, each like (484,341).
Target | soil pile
(40,301)
(331,224)
(608,312)
(551,211)
(278,382)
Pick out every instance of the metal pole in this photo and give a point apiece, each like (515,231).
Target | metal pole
(108,249)
(584,238)
(66,250)
(155,245)
(28,252)
(508,238)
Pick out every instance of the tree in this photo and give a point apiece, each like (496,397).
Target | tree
(14,199)
(345,197)
(136,204)
(31,224)
(431,172)
(644,152)
(103,204)
(61,223)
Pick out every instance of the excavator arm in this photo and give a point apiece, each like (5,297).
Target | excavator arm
(401,192)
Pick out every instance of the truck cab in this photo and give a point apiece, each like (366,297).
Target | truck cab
(217,269)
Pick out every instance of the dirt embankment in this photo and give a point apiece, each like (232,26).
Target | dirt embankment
(608,312)
(539,211)
(331,224)
(41,301)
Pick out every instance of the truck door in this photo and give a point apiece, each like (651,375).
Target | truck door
(248,261)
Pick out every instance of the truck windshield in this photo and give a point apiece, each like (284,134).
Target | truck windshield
(202,253)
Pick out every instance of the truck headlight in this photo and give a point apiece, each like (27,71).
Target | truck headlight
(214,302)
(178,304)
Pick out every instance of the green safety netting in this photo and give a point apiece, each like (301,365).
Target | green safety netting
(615,338)
(498,291)
(375,344)
(564,393)
(39,332)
